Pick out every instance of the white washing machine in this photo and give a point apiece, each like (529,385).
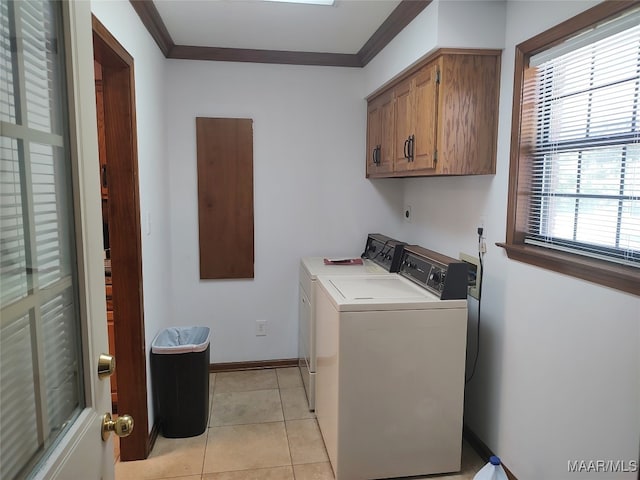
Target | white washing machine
(390,371)
(382,255)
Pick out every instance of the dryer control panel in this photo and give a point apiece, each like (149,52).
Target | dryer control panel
(444,276)
(384,251)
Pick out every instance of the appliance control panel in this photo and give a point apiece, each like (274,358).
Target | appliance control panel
(384,251)
(444,276)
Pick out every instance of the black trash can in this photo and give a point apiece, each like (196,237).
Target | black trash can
(180,375)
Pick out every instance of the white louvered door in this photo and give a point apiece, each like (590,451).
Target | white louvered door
(52,311)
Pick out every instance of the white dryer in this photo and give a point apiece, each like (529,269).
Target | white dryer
(390,371)
(382,255)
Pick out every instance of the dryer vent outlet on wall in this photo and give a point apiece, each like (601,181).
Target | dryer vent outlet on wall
(406,213)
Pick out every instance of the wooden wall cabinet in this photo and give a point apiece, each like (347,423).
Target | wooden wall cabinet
(445,117)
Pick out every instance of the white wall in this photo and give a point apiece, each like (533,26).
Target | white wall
(124,24)
(310,193)
(471,23)
(559,370)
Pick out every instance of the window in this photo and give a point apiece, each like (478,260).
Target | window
(574,193)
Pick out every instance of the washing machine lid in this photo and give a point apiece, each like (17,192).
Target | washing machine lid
(373,292)
(315,266)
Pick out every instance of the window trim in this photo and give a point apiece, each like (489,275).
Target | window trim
(610,274)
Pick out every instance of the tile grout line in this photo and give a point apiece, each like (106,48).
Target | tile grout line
(206,443)
(204,456)
(286,430)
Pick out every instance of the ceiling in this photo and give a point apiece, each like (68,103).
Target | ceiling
(342,28)
(348,33)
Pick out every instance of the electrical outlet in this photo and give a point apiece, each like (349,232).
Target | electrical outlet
(482,235)
(474,274)
(261,328)
(483,246)
(406,213)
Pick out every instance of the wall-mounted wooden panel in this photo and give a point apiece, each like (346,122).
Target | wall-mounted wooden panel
(225,197)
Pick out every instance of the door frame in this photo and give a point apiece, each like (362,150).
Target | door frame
(124,236)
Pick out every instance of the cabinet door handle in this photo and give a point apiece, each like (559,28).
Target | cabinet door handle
(373,155)
(406,153)
(103,175)
(379,154)
(412,144)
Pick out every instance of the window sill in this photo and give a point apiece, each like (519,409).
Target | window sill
(619,277)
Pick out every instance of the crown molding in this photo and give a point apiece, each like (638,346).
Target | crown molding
(401,16)
(152,21)
(187,52)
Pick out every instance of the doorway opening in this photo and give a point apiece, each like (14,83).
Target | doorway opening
(117,138)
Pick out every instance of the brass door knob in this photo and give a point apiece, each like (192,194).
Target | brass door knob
(122,426)
(106,365)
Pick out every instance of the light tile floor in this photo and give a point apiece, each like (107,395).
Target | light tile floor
(259,429)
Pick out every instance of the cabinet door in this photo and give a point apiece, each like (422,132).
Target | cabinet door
(468,114)
(404,124)
(380,135)
(425,103)
(387,134)
(374,126)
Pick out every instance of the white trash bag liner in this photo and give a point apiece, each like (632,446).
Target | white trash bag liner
(181,340)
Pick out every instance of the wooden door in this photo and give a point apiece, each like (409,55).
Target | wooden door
(403,123)
(52,316)
(425,101)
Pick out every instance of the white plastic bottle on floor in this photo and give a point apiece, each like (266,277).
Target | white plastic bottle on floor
(491,471)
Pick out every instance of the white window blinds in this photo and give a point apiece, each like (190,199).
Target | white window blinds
(581,136)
